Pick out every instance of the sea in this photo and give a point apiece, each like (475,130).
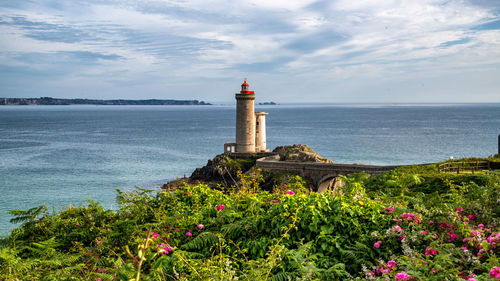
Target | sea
(64,155)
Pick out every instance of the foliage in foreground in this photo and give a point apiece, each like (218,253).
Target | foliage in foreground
(197,233)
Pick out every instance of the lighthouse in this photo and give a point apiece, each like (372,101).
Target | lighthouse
(250,125)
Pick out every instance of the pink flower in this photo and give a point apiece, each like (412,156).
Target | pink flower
(402,276)
(398,228)
(453,236)
(480,226)
(431,222)
(200,226)
(290,192)
(495,272)
(435,271)
(391,264)
(220,207)
(430,251)
(459,209)
(189,234)
(164,249)
(274,201)
(377,244)
(176,229)
(389,210)
(386,270)
(423,232)
(471,217)
(154,235)
(444,225)
(98,279)
(471,279)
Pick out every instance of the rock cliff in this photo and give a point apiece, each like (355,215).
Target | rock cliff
(299,153)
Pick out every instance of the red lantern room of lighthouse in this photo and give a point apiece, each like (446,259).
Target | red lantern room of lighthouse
(244,89)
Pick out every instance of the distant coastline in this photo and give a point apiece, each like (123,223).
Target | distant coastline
(57,101)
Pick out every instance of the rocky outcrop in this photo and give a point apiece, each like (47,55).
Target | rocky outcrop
(215,170)
(299,153)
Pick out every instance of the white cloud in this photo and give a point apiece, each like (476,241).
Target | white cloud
(342,40)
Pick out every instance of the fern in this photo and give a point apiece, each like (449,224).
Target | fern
(28,216)
(204,240)
(282,276)
(235,230)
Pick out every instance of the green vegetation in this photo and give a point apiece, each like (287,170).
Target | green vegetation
(413,223)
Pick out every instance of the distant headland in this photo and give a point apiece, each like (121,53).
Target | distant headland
(57,101)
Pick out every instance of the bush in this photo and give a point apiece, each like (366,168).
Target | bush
(198,233)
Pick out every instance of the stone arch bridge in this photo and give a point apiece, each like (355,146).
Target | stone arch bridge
(324,175)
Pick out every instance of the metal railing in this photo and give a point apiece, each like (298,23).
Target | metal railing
(464,166)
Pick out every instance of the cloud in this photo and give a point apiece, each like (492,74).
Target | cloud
(166,45)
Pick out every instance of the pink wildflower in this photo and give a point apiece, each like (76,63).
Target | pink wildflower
(402,237)
(201,226)
(480,252)
(430,251)
(398,228)
(453,237)
(480,226)
(377,244)
(98,279)
(274,201)
(435,271)
(220,207)
(471,279)
(475,233)
(389,210)
(386,270)
(290,192)
(443,225)
(495,272)
(460,209)
(391,264)
(176,229)
(423,232)
(471,217)
(154,235)
(431,222)
(189,234)
(402,276)
(164,249)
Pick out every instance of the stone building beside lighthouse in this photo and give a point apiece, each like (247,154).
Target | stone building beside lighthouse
(250,125)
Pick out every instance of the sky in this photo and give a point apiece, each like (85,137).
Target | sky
(337,51)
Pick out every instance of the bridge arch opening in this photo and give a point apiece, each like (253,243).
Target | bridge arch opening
(329,182)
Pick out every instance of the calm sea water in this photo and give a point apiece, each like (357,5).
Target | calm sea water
(61,155)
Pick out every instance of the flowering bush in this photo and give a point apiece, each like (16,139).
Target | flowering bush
(252,235)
